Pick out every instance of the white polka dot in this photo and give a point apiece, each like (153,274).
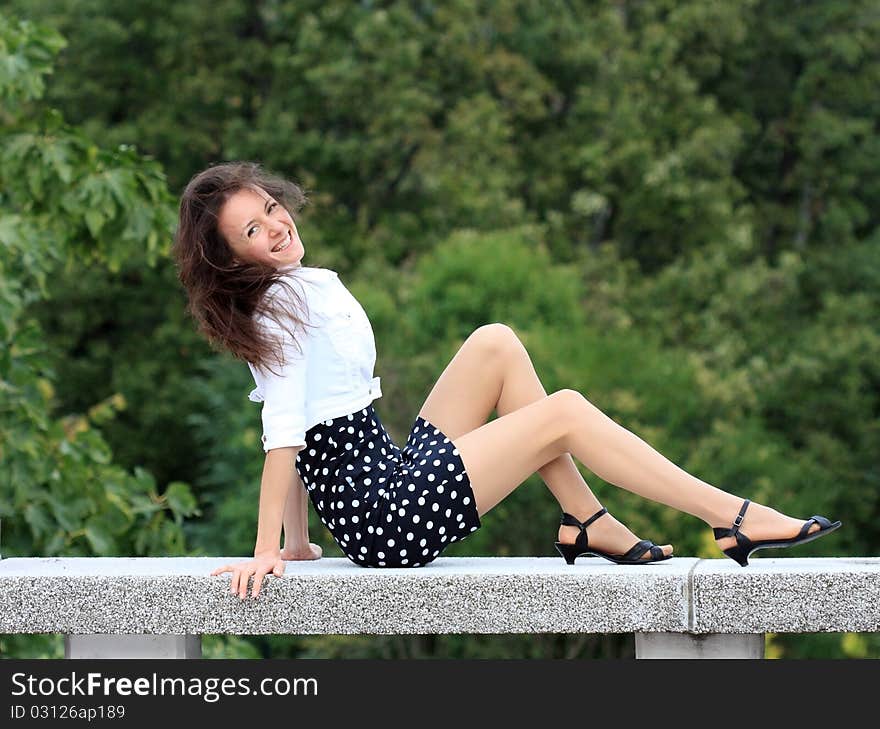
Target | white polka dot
(380,555)
(410,536)
(390,542)
(378,530)
(435,507)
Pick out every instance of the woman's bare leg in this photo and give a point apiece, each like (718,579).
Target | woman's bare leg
(502,454)
(493,371)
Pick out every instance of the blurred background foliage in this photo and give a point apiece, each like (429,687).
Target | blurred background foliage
(673,203)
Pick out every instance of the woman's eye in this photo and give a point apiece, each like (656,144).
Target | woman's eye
(270,208)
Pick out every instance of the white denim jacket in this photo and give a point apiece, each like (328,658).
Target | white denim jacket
(334,374)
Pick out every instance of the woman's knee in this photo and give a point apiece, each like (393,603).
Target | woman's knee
(496,338)
(568,405)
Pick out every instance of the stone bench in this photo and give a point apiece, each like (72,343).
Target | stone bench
(684,607)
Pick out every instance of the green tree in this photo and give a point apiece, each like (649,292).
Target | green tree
(63,202)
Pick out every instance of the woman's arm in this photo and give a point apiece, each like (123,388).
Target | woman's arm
(296,524)
(277,481)
(296,516)
(279,478)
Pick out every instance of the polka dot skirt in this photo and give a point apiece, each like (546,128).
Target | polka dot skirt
(386,506)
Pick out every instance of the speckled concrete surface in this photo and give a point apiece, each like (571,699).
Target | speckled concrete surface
(333,595)
(787,595)
(450,595)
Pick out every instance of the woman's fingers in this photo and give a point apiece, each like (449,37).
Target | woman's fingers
(258,581)
(241,575)
(236,579)
(244,575)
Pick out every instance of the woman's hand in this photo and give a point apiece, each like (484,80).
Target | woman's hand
(309,551)
(262,564)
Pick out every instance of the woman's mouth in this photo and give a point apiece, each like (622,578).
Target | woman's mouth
(281,246)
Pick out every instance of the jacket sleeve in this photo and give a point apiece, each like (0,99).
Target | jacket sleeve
(284,394)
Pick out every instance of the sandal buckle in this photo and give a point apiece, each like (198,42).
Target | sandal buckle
(738,521)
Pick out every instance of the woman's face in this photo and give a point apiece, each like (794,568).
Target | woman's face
(255,225)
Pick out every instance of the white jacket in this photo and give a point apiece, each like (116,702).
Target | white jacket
(334,374)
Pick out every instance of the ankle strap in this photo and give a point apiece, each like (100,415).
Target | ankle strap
(582,542)
(722,532)
(569,520)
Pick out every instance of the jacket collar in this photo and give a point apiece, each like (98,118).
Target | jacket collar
(310,271)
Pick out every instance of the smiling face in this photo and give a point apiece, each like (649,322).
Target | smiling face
(255,225)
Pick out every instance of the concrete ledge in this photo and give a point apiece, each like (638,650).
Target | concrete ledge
(787,595)
(94,595)
(177,596)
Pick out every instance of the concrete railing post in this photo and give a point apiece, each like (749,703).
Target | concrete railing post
(697,645)
(132,646)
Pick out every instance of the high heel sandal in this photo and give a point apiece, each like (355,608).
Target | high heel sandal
(745,546)
(580,547)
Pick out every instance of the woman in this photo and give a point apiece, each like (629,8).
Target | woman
(240,261)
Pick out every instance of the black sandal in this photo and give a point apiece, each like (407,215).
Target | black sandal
(580,547)
(745,546)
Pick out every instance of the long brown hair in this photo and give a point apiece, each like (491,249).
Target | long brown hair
(225,294)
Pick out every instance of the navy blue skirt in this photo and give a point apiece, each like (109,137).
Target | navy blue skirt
(386,506)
